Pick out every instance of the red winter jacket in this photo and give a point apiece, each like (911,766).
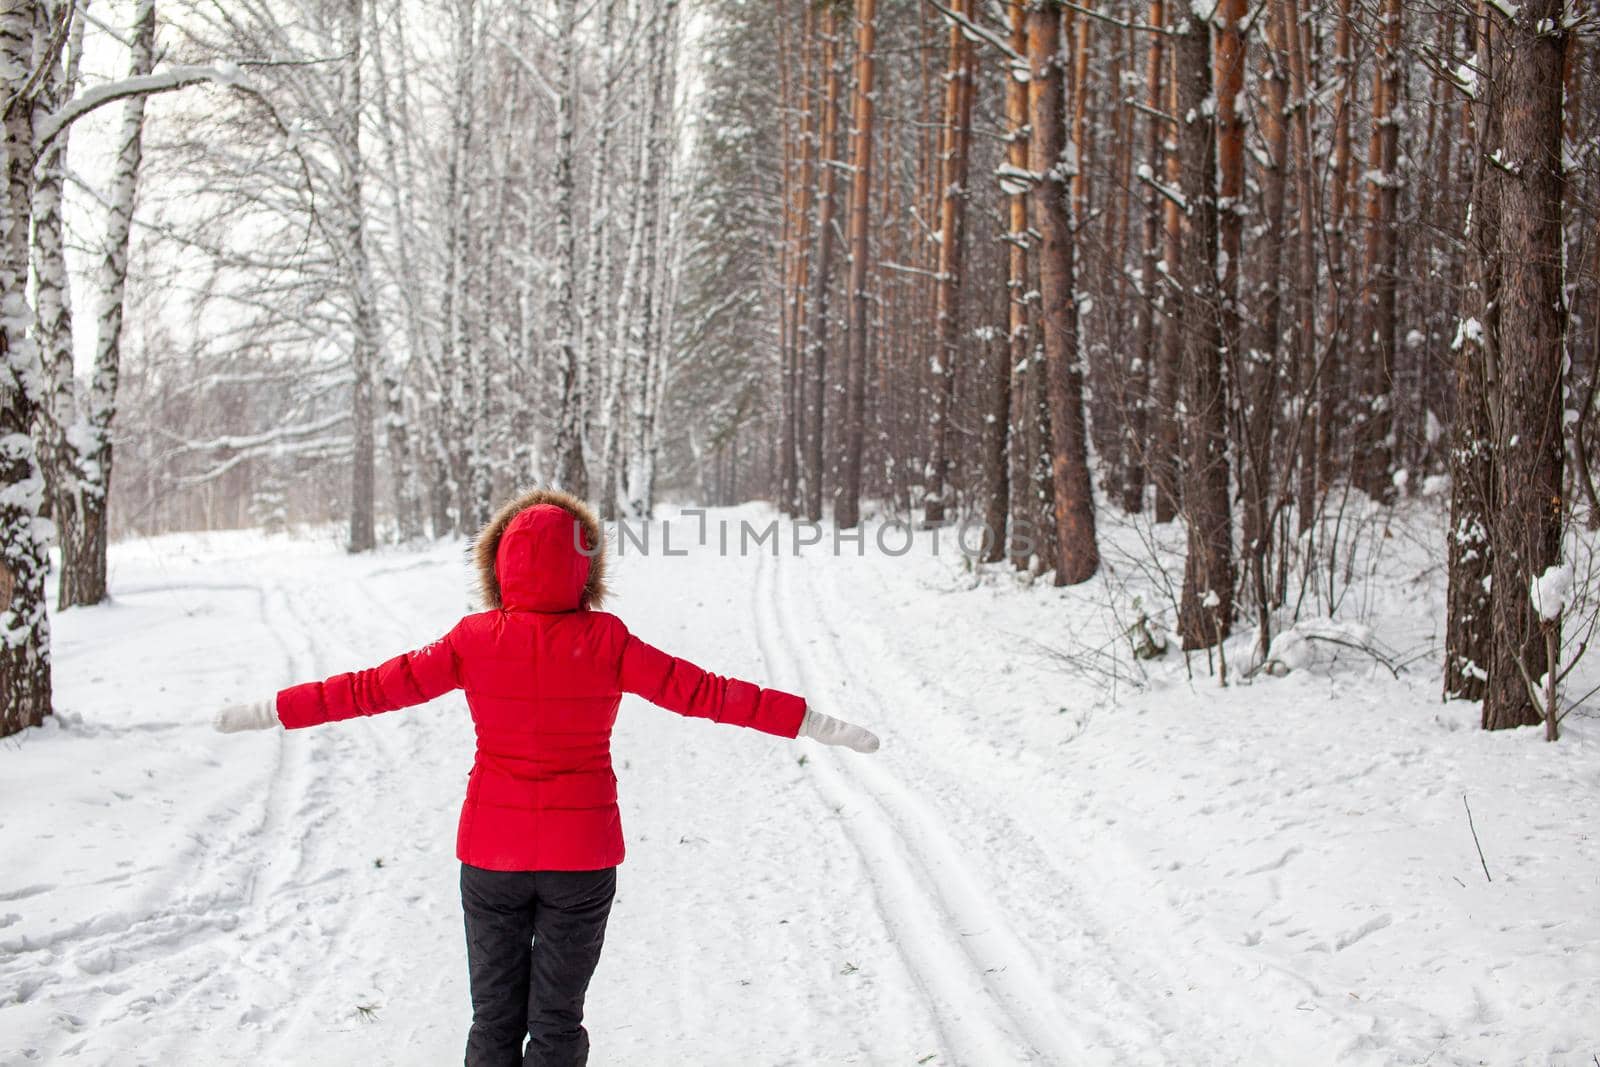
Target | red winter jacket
(543,674)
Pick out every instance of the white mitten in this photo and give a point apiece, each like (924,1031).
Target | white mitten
(260,715)
(831,731)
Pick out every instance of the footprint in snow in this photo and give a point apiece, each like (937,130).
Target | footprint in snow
(1371,926)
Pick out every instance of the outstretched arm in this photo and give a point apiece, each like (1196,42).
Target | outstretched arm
(407,679)
(680,686)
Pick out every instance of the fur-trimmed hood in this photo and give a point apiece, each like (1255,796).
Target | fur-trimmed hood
(543,551)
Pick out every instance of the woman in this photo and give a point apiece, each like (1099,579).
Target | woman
(540,837)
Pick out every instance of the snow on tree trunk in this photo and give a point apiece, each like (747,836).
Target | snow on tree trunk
(822,272)
(652,334)
(1469,623)
(847,508)
(24,534)
(1166,465)
(392,125)
(1259,357)
(1077,553)
(960,91)
(571,474)
(1136,446)
(1375,412)
(1205,612)
(358,273)
(1527,507)
(625,339)
(84,538)
(1019,331)
(457,426)
(52,293)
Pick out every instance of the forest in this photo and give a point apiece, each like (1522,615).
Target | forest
(1084,532)
(1265,270)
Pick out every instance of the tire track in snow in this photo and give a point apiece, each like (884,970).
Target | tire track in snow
(988,998)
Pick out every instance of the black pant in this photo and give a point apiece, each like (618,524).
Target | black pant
(533,939)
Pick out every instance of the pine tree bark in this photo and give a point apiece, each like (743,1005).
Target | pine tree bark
(1136,445)
(1331,378)
(1260,348)
(796,192)
(1018,482)
(1376,407)
(1077,552)
(1527,506)
(847,507)
(1469,619)
(960,86)
(1205,613)
(1250,366)
(1308,374)
(1166,465)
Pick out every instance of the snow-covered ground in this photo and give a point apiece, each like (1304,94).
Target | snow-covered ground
(1052,860)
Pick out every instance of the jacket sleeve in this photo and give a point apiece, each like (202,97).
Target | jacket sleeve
(410,678)
(680,686)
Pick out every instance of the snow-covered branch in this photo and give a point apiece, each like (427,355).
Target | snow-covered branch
(179,77)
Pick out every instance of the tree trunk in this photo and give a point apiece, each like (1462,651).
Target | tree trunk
(1527,505)
(85,540)
(364,334)
(402,446)
(571,472)
(1469,620)
(960,88)
(1136,444)
(52,293)
(847,508)
(24,550)
(453,424)
(1166,465)
(1376,407)
(1308,372)
(797,167)
(822,275)
(1205,614)
(1332,372)
(1077,553)
(1259,356)
(1018,482)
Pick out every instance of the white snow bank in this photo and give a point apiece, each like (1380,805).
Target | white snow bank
(1317,642)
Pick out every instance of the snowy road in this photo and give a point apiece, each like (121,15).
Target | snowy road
(1028,872)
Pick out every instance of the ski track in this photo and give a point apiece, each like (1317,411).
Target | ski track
(1146,1020)
(1164,946)
(136,946)
(959,947)
(320,836)
(1181,950)
(278,839)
